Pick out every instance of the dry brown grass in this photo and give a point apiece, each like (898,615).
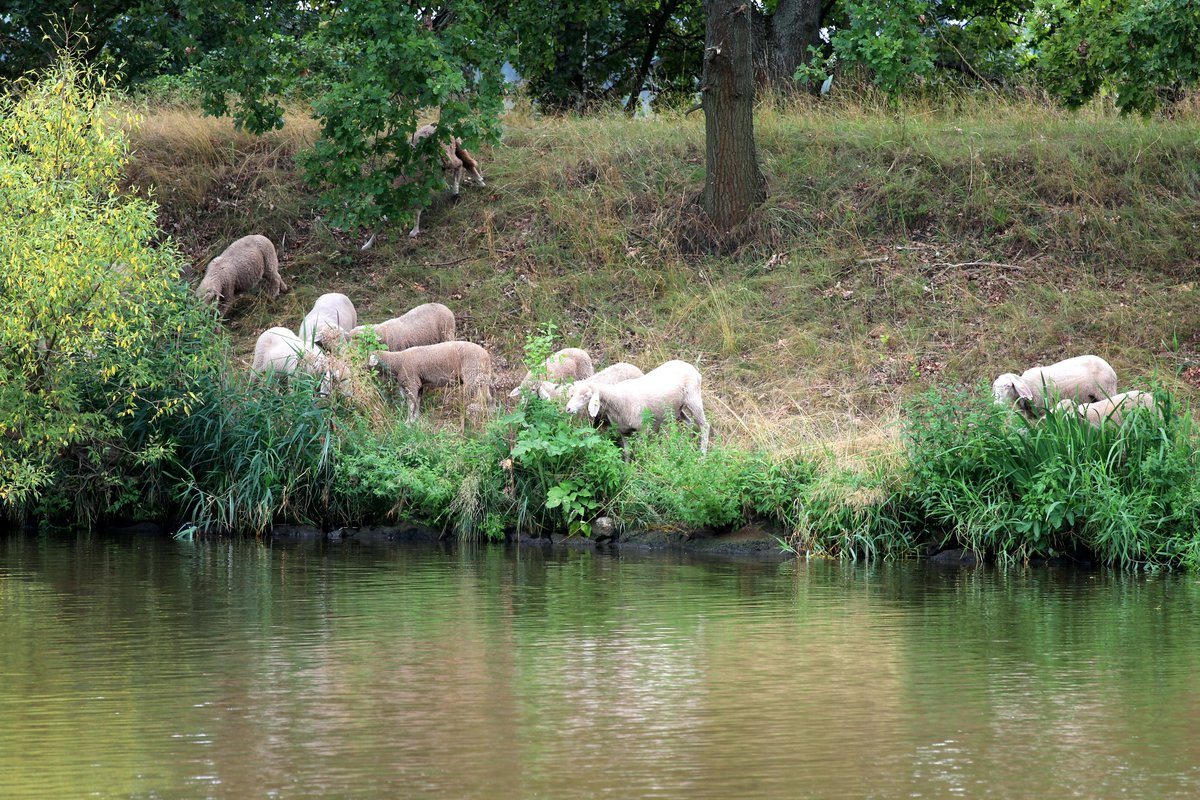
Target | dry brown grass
(943,245)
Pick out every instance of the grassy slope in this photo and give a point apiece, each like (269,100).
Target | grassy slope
(947,247)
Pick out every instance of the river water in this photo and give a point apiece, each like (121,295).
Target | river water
(148,668)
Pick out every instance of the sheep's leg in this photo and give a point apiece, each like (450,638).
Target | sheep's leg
(695,414)
(455,180)
(625,448)
(414,402)
(416,229)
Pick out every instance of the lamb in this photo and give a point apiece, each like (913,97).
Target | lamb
(1083,379)
(1110,409)
(442,364)
(429,323)
(673,387)
(455,158)
(331,317)
(239,269)
(279,351)
(614,373)
(570,363)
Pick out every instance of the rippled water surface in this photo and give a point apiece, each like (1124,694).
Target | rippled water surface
(149,668)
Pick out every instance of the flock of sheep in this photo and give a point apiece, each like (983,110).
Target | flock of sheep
(419,351)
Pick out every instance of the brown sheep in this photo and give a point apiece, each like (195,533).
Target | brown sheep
(443,364)
(428,323)
(238,269)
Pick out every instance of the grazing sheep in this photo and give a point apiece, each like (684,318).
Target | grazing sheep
(570,363)
(455,158)
(442,364)
(1110,409)
(614,373)
(674,387)
(1083,379)
(239,269)
(279,351)
(429,323)
(331,317)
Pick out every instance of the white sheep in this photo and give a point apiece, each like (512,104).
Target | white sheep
(614,373)
(281,352)
(1110,409)
(429,323)
(238,269)
(442,364)
(570,363)
(671,388)
(1083,379)
(331,317)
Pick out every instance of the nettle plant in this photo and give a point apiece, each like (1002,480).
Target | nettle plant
(562,466)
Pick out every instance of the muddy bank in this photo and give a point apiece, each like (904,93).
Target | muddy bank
(751,540)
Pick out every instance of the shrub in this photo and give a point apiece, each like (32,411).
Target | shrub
(99,338)
(996,483)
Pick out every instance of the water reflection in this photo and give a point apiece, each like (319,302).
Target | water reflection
(234,669)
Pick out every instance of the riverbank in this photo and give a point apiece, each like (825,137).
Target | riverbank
(846,345)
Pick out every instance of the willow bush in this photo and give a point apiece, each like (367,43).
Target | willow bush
(98,335)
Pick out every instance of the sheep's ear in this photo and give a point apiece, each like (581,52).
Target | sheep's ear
(1023,391)
(515,392)
(594,405)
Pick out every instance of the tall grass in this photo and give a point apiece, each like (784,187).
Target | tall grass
(1001,485)
(253,453)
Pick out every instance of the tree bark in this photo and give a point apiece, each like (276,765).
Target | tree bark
(733,184)
(795,26)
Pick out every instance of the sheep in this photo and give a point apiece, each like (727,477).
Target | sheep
(239,268)
(570,363)
(441,364)
(455,158)
(614,373)
(1083,379)
(429,323)
(279,351)
(673,387)
(1110,409)
(331,317)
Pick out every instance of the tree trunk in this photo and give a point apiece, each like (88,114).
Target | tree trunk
(795,26)
(734,184)
(643,70)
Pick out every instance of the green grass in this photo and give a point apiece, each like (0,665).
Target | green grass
(891,254)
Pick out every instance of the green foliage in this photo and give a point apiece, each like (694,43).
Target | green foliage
(672,484)
(99,338)
(1144,51)
(371,70)
(889,39)
(561,465)
(997,483)
(574,56)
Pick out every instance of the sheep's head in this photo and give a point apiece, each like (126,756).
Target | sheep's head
(209,293)
(373,360)
(526,383)
(1010,388)
(584,395)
